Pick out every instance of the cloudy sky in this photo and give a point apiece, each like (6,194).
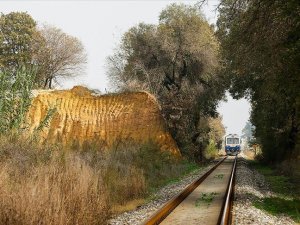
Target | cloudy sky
(100,24)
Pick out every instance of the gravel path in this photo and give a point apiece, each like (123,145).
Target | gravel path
(161,197)
(249,186)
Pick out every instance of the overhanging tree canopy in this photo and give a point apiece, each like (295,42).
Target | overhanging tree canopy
(261,48)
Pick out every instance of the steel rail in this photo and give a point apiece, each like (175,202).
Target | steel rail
(167,208)
(225,216)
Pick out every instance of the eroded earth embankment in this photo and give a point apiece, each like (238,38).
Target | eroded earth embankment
(82,116)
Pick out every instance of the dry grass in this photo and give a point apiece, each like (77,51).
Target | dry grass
(48,185)
(132,171)
(41,187)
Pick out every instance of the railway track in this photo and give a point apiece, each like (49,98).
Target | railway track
(208,200)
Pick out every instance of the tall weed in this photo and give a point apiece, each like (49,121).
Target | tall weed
(15,91)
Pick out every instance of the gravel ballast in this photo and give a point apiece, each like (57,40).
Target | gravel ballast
(250,186)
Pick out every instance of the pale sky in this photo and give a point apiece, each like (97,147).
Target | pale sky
(235,114)
(100,25)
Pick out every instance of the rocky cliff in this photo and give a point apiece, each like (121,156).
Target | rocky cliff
(79,115)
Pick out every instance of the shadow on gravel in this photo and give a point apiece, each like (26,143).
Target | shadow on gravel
(286,193)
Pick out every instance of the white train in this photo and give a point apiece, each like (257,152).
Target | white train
(232,144)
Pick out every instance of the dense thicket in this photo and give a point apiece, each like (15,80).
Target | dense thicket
(52,52)
(261,47)
(177,61)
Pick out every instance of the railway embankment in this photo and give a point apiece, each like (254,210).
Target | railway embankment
(264,196)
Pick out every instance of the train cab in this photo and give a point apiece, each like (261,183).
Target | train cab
(232,144)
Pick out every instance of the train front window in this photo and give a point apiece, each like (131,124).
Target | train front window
(233,140)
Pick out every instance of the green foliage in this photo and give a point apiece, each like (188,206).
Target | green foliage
(280,184)
(17,40)
(261,48)
(15,98)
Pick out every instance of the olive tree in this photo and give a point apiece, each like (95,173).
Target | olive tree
(177,61)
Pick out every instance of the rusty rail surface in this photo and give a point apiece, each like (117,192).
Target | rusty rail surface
(225,216)
(162,213)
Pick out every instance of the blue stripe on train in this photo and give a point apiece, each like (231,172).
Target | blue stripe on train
(229,148)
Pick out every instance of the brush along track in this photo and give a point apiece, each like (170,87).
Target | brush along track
(205,201)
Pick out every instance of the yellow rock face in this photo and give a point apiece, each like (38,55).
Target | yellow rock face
(81,116)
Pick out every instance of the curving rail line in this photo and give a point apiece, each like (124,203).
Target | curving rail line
(224,217)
